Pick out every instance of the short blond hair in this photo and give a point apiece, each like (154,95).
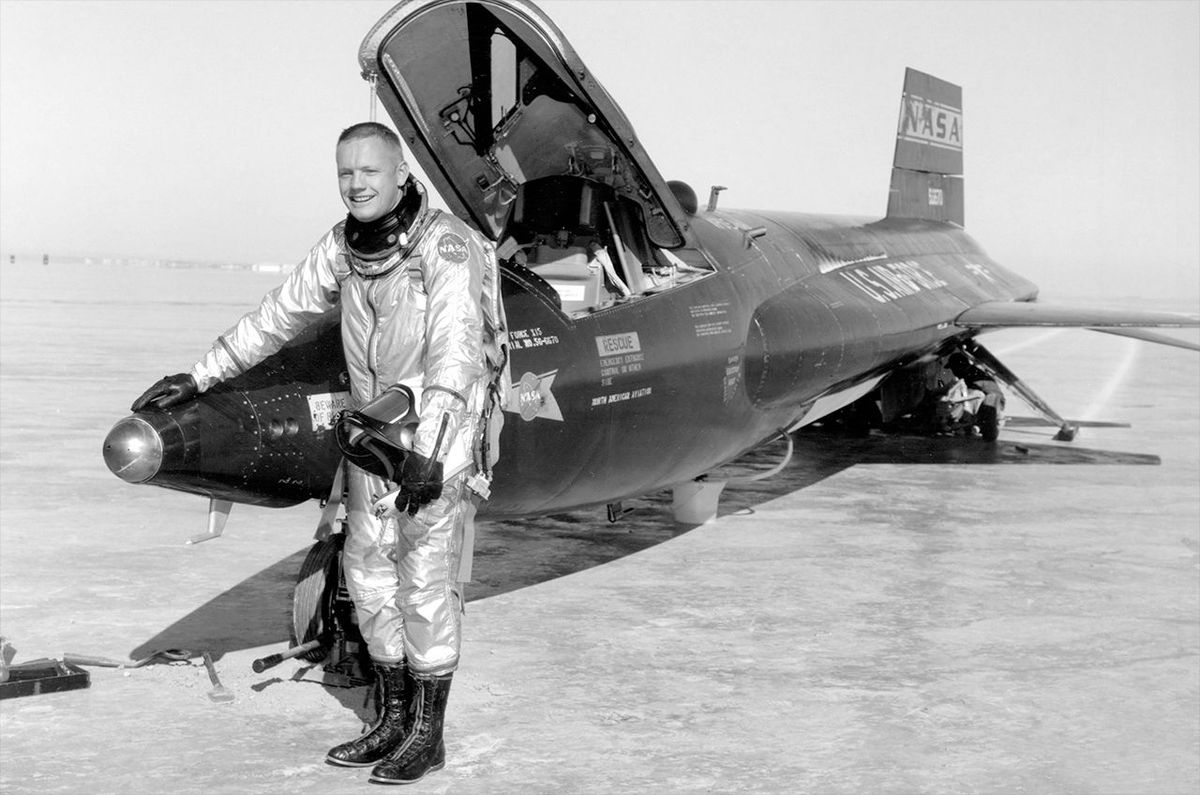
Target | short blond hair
(373,129)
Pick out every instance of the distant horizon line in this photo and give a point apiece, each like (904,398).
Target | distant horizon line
(1164,292)
(9,257)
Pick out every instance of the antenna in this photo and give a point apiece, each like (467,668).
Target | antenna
(371,78)
(712,196)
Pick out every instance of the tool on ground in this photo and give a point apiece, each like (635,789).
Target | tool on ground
(42,676)
(7,652)
(271,660)
(219,692)
(168,655)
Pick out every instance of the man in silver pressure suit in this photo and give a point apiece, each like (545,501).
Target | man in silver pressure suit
(412,285)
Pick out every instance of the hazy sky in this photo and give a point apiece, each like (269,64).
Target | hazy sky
(205,130)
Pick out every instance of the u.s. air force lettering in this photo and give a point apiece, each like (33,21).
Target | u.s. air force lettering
(888,281)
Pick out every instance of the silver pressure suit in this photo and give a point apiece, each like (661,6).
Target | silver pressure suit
(414,317)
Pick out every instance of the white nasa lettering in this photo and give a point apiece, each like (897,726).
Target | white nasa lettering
(530,401)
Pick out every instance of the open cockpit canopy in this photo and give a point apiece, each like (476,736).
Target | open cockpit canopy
(490,98)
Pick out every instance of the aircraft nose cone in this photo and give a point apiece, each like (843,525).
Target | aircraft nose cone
(133,450)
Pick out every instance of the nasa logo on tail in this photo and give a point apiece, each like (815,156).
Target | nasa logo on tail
(927,169)
(923,121)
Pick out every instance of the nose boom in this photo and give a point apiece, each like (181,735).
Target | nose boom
(133,450)
(244,447)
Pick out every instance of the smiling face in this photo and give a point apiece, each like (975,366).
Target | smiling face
(370,173)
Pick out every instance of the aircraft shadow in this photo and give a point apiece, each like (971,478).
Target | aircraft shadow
(513,554)
(255,612)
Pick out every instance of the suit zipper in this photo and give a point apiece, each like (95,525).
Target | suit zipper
(373,339)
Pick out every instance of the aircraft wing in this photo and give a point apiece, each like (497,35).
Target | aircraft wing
(1122,322)
(1150,336)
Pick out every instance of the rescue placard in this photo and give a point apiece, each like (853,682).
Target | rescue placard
(612,344)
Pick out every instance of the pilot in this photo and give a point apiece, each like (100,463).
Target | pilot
(975,377)
(409,282)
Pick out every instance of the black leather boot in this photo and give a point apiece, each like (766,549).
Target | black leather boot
(422,750)
(390,727)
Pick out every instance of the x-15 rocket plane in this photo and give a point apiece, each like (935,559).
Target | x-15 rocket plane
(652,338)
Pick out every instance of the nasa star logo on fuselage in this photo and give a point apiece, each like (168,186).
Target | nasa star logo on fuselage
(535,398)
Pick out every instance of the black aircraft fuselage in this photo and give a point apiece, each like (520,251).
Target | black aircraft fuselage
(660,390)
(651,339)
(644,394)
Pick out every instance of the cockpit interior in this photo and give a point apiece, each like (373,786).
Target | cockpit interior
(530,152)
(590,245)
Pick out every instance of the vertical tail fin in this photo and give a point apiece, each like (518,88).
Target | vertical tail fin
(927,171)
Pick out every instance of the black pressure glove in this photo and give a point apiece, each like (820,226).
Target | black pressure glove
(420,483)
(171,390)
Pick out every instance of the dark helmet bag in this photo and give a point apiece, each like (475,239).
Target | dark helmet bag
(378,436)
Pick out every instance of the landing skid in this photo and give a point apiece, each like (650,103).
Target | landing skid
(218,515)
(1066,429)
(696,501)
